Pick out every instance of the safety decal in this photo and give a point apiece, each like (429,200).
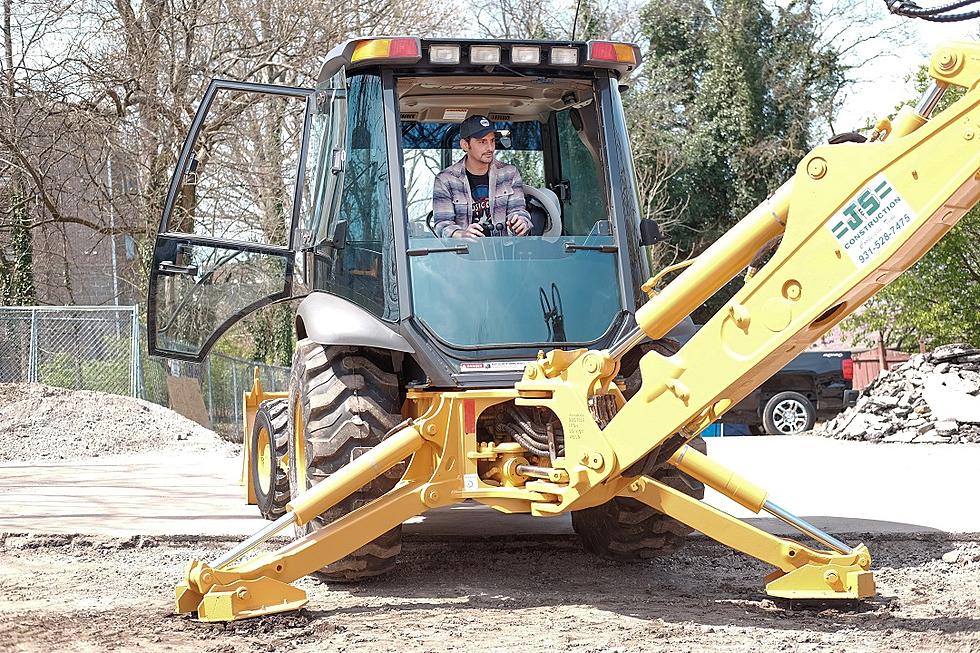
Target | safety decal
(873,218)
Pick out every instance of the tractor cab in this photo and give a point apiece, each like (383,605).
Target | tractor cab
(326,194)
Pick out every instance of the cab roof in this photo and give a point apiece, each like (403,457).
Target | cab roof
(481,56)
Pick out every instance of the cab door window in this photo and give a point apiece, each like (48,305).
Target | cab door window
(223,250)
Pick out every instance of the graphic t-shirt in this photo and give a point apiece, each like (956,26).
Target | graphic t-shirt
(480,194)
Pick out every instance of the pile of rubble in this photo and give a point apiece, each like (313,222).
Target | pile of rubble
(932,397)
(39,422)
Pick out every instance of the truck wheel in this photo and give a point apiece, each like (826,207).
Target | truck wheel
(788,413)
(270,445)
(626,529)
(342,404)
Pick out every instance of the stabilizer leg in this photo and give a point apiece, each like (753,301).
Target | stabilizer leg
(802,572)
(225,591)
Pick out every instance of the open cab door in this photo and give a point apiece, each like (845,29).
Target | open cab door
(225,244)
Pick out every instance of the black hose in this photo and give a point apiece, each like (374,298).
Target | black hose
(522,439)
(939,14)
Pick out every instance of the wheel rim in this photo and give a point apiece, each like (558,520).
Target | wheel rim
(299,443)
(263,460)
(789,416)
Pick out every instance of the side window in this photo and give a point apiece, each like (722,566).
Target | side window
(240,180)
(586,201)
(325,159)
(363,268)
(519,144)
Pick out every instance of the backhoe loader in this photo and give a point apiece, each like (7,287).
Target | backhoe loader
(540,374)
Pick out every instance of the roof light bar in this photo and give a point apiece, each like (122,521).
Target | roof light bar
(564,56)
(399,49)
(445,54)
(528,55)
(485,54)
(608,51)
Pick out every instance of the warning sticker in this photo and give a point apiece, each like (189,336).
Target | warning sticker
(495,366)
(873,218)
(454,114)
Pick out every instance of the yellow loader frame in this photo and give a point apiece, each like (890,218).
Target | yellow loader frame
(852,218)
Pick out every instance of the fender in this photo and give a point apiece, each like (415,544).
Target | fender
(331,320)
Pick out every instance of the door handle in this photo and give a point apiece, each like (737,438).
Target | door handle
(168,267)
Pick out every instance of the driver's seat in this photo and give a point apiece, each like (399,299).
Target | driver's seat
(545,210)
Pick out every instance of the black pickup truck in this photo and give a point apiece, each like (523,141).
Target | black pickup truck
(814,385)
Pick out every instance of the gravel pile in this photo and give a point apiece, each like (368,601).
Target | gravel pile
(932,397)
(39,422)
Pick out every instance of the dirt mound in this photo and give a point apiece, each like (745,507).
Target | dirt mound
(39,422)
(932,398)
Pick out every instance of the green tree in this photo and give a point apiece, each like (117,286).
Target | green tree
(727,98)
(936,300)
(17,267)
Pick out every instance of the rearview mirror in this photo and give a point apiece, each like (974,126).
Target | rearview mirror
(650,232)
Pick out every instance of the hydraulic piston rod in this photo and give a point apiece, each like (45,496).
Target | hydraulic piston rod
(745,493)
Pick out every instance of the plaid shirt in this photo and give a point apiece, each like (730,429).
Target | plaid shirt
(452,201)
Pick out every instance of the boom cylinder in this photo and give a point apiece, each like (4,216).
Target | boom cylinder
(359,472)
(716,266)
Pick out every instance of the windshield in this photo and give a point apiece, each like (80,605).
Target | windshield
(503,290)
(560,284)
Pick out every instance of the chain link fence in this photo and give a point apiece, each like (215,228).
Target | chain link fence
(104,349)
(78,347)
(222,380)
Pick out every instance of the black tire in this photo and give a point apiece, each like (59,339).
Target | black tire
(626,529)
(788,413)
(270,445)
(343,402)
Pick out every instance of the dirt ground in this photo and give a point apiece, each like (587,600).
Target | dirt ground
(535,593)
(85,594)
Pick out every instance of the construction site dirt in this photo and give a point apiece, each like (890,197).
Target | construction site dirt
(90,554)
(64,593)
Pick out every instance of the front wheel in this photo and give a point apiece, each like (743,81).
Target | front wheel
(788,413)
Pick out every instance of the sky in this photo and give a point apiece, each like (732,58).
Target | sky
(886,82)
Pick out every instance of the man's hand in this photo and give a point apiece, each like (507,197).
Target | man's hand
(517,225)
(472,231)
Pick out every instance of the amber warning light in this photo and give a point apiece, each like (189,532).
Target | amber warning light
(400,49)
(609,51)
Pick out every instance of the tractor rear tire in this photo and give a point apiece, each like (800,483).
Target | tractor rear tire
(344,401)
(625,529)
(269,446)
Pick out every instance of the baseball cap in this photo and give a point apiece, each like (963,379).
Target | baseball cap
(475,127)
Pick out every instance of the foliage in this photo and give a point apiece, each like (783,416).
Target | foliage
(17,267)
(936,300)
(724,109)
(108,373)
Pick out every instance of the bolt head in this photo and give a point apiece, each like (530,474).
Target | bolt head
(831,576)
(242,593)
(532,372)
(968,134)
(947,60)
(430,429)
(816,168)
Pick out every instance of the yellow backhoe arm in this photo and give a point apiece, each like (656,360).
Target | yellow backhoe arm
(853,217)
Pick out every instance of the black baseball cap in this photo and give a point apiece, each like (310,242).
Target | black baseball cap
(475,127)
